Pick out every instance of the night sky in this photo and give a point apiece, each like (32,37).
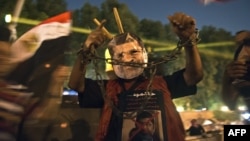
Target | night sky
(231,16)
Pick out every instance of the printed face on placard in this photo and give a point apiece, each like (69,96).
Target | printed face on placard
(129,52)
(146,124)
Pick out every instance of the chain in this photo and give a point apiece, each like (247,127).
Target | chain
(147,97)
(93,55)
(191,41)
(152,68)
(152,71)
(101,84)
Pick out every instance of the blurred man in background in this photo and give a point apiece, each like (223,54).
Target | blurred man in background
(236,79)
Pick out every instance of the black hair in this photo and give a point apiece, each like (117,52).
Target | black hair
(144,114)
(245,42)
(238,32)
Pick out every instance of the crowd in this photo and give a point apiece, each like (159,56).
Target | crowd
(134,106)
(21,101)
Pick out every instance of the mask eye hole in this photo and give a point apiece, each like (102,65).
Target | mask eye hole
(134,52)
(120,55)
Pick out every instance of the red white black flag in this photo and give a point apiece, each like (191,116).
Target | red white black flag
(40,50)
(52,28)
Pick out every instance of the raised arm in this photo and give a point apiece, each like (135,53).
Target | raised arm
(184,27)
(193,72)
(230,92)
(77,76)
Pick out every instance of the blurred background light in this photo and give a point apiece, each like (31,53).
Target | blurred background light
(8,18)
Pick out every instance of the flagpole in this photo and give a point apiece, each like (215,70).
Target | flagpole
(15,16)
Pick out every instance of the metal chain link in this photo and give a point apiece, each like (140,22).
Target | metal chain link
(93,55)
(152,68)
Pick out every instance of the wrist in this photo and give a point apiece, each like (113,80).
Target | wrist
(84,59)
(85,55)
(190,41)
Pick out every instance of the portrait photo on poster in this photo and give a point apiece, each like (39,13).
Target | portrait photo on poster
(147,125)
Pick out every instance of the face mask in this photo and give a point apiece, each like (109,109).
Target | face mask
(132,53)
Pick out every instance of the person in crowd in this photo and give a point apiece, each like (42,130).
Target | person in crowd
(195,129)
(131,91)
(236,78)
(8,120)
(17,103)
(145,127)
(236,73)
(4,50)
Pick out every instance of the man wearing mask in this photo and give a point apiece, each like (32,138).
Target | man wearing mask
(131,92)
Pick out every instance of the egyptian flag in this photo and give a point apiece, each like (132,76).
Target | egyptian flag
(39,51)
